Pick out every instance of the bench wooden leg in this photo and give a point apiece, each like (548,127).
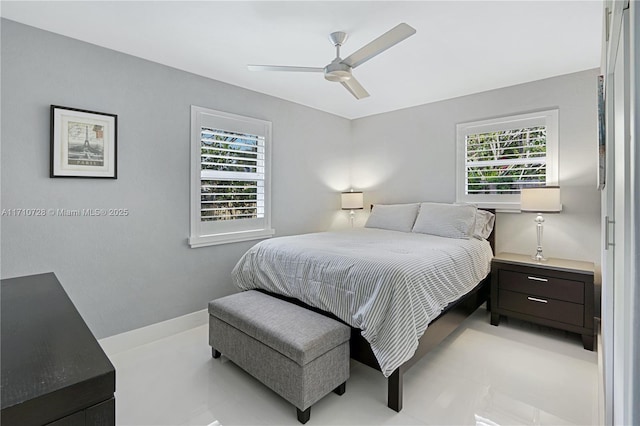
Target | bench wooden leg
(341,389)
(304,416)
(215,353)
(394,391)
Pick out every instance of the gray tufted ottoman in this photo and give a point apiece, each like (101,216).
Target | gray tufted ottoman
(299,354)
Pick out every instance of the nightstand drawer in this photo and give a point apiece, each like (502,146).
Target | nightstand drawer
(548,308)
(536,284)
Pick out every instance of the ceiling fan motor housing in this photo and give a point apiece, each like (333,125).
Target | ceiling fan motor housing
(337,71)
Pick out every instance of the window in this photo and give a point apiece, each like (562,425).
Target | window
(498,157)
(230,198)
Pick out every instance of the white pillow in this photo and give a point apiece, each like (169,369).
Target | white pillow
(394,217)
(484,224)
(446,220)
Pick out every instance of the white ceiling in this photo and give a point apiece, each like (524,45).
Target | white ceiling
(461,47)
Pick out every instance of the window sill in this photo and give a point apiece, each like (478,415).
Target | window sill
(500,207)
(231,237)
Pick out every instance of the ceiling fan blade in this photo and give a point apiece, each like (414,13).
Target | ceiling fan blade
(379,45)
(283,68)
(355,88)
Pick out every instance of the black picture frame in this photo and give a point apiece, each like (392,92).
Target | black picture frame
(84,143)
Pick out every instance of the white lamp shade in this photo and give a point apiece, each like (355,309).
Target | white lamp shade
(545,199)
(352,200)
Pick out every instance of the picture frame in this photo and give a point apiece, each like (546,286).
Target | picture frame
(602,139)
(83,143)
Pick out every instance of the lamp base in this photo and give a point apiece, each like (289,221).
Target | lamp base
(538,257)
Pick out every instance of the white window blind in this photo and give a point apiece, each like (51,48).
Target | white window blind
(502,162)
(232,175)
(498,157)
(230,182)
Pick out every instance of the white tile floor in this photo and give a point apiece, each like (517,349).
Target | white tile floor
(516,373)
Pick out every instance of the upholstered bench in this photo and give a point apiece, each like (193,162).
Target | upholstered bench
(299,354)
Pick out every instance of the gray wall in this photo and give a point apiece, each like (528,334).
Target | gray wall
(409,155)
(127,272)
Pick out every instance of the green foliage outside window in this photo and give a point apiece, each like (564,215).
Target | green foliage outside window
(502,162)
(229,198)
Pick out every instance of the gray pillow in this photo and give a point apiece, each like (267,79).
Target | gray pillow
(394,217)
(446,220)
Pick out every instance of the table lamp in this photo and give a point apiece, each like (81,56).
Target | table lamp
(352,200)
(545,199)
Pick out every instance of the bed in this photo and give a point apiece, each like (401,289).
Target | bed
(401,288)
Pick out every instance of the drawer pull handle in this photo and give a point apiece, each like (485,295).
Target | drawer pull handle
(534,299)
(544,280)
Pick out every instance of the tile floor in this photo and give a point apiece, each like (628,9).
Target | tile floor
(514,374)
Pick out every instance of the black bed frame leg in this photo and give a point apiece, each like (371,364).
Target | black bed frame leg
(215,353)
(304,416)
(394,391)
(341,389)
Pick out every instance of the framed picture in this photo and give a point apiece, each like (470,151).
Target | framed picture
(83,143)
(602,147)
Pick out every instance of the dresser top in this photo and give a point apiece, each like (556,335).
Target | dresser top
(551,263)
(47,349)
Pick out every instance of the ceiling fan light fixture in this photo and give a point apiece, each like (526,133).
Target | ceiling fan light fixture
(338,76)
(337,71)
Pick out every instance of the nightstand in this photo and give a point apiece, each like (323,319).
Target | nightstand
(557,293)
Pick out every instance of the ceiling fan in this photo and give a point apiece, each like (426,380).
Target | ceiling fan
(340,69)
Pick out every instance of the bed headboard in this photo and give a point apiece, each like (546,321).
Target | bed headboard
(492,236)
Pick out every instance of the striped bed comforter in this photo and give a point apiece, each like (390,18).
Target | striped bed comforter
(389,284)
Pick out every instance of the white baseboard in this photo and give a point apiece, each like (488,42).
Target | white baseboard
(118,343)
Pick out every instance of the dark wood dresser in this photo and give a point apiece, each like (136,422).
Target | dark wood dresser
(556,293)
(53,369)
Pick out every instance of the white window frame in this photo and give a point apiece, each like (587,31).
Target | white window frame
(505,202)
(207,233)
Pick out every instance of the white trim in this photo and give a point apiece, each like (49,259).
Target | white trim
(122,342)
(231,237)
(634,231)
(208,233)
(620,300)
(548,118)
